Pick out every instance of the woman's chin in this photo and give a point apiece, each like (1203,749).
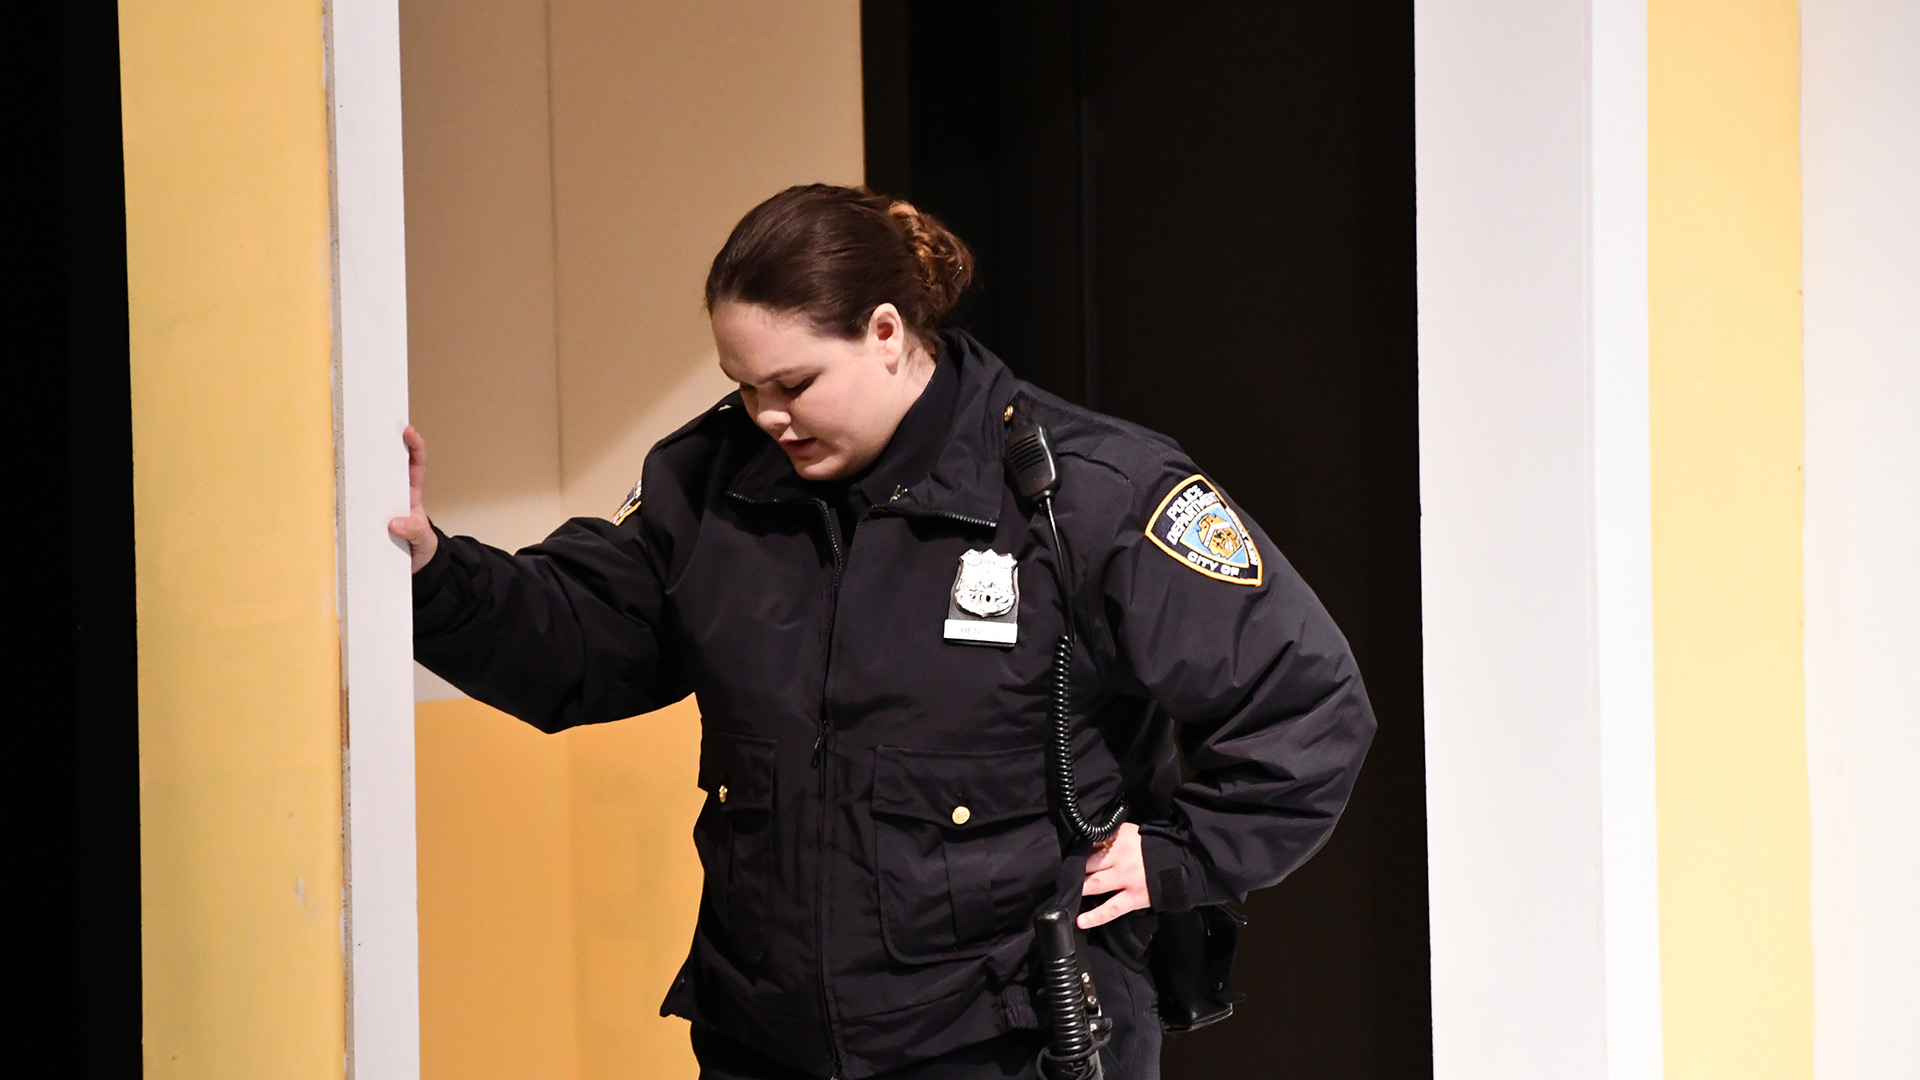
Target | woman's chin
(818,465)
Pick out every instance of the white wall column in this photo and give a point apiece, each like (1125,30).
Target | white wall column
(1860,168)
(1535,540)
(376,605)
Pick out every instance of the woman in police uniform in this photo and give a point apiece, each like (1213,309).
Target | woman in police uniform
(835,561)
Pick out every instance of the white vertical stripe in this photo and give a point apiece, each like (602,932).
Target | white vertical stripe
(376,613)
(1513,779)
(1623,537)
(1535,537)
(1860,170)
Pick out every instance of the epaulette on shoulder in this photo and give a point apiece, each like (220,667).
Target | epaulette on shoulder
(1135,452)
(725,410)
(722,411)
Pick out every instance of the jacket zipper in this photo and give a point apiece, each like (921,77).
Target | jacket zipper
(821,762)
(833,614)
(820,758)
(943,515)
(823,737)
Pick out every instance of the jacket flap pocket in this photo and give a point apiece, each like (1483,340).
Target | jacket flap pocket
(960,790)
(737,770)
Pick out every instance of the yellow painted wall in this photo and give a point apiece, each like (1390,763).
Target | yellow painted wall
(572,166)
(558,888)
(636,888)
(1724,272)
(224,111)
(498,987)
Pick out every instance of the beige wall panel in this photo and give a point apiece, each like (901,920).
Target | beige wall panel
(480,264)
(670,121)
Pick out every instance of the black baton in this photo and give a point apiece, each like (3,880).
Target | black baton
(1075,1029)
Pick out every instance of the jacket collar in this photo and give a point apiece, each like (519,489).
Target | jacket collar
(967,479)
(767,476)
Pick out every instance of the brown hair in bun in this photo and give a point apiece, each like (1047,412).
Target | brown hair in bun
(833,254)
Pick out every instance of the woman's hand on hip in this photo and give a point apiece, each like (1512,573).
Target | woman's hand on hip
(1116,867)
(415,529)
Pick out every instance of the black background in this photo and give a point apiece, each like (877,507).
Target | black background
(1200,217)
(73,740)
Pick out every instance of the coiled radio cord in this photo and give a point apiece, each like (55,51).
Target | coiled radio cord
(1061,781)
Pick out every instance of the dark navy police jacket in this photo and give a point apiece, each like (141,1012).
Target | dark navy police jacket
(855,918)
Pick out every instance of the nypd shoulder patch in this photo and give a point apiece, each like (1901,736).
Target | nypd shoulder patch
(628,505)
(1197,527)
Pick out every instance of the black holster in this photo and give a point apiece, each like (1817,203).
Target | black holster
(1191,952)
(1192,961)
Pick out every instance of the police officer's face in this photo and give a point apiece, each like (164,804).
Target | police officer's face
(831,403)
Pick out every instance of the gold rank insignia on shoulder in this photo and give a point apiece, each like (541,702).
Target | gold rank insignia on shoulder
(628,505)
(1197,527)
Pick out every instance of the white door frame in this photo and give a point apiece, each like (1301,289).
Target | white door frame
(370,486)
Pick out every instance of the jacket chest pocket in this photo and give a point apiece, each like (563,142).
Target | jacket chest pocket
(734,836)
(965,850)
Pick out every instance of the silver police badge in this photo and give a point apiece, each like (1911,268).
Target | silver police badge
(986,596)
(986,586)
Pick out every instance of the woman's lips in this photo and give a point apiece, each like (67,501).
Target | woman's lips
(798,446)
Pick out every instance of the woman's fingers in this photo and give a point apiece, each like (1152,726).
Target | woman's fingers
(419,538)
(1119,905)
(415,529)
(1117,880)
(1118,868)
(416,466)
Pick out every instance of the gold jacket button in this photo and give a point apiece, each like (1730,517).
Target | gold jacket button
(961,815)
(721,794)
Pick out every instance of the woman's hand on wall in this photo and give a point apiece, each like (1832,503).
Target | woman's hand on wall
(415,529)
(1116,867)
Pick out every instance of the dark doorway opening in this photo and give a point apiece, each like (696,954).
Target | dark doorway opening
(1200,217)
(74,747)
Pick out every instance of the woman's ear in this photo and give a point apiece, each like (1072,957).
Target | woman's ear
(887,337)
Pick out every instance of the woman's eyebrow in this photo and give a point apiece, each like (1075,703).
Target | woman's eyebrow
(783,375)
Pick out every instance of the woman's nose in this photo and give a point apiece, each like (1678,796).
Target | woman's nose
(773,421)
